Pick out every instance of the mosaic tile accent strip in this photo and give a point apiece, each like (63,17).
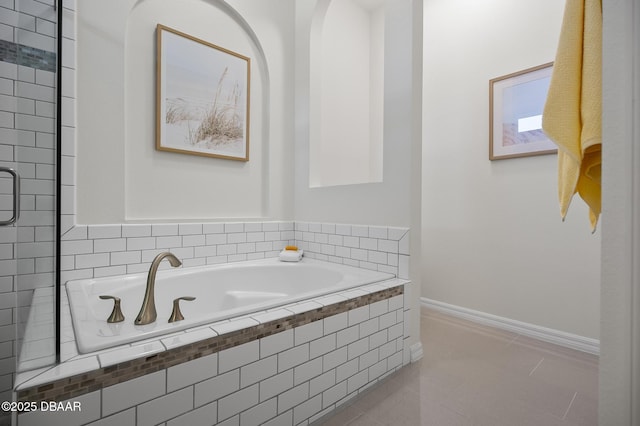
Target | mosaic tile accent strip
(81,384)
(31,57)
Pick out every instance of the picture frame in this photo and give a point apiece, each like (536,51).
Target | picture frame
(516,102)
(202,97)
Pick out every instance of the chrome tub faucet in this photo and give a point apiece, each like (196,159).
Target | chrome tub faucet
(148,313)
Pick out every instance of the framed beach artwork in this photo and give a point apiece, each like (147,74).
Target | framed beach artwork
(202,93)
(516,102)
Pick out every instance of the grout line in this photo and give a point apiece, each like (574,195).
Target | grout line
(536,367)
(570,404)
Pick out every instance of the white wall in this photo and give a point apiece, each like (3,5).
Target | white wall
(396,200)
(493,240)
(120,175)
(385,203)
(348,88)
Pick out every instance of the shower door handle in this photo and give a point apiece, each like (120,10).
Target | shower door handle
(16,196)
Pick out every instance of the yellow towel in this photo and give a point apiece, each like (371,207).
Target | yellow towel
(572,115)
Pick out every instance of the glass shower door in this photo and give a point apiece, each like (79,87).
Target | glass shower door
(28,148)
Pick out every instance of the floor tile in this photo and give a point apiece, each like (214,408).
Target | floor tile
(476,375)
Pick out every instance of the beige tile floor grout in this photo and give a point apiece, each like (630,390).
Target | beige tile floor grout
(476,375)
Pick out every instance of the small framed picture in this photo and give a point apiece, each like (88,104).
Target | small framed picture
(516,102)
(202,93)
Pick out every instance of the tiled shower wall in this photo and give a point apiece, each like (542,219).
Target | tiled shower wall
(27,144)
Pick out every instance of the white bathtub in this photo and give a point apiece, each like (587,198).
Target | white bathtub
(221,291)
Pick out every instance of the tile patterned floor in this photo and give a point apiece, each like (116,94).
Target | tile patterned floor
(477,375)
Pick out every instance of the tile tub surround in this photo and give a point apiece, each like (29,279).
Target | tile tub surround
(287,370)
(93,251)
(107,250)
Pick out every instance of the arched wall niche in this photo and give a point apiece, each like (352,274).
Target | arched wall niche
(346,92)
(128,179)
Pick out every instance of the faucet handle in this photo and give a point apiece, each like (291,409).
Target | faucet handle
(176,315)
(116,313)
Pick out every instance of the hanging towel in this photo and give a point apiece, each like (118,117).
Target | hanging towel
(572,116)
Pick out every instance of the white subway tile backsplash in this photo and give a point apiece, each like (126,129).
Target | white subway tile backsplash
(193,240)
(308,332)
(276,343)
(202,416)
(284,419)
(232,421)
(307,409)
(239,237)
(293,397)
(357,381)
(192,372)
(141,243)
(347,336)
(357,348)
(377,257)
(206,251)
(164,408)
(126,257)
(260,413)
(233,227)
(275,385)
(306,371)
(396,302)
(227,249)
(272,236)
(353,242)
(133,392)
(124,418)
(168,242)
(396,331)
(133,230)
(216,387)
(388,246)
(92,260)
(396,233)
(322,346)
(247,248)
(368,359)
(358,315)
(235,403)
(387,349)
(359,254)
(259,370)
(404,246)
(164,229)
(334,394)
(377,369)
(213,228)
(89,411)
(104,231)
(77,247)
(238,356)
(293,357)
(369,327)
(190,229)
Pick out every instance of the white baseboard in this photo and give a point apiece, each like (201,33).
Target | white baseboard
(561,338)
(416,352)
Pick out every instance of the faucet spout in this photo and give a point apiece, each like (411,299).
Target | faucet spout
(148,313)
